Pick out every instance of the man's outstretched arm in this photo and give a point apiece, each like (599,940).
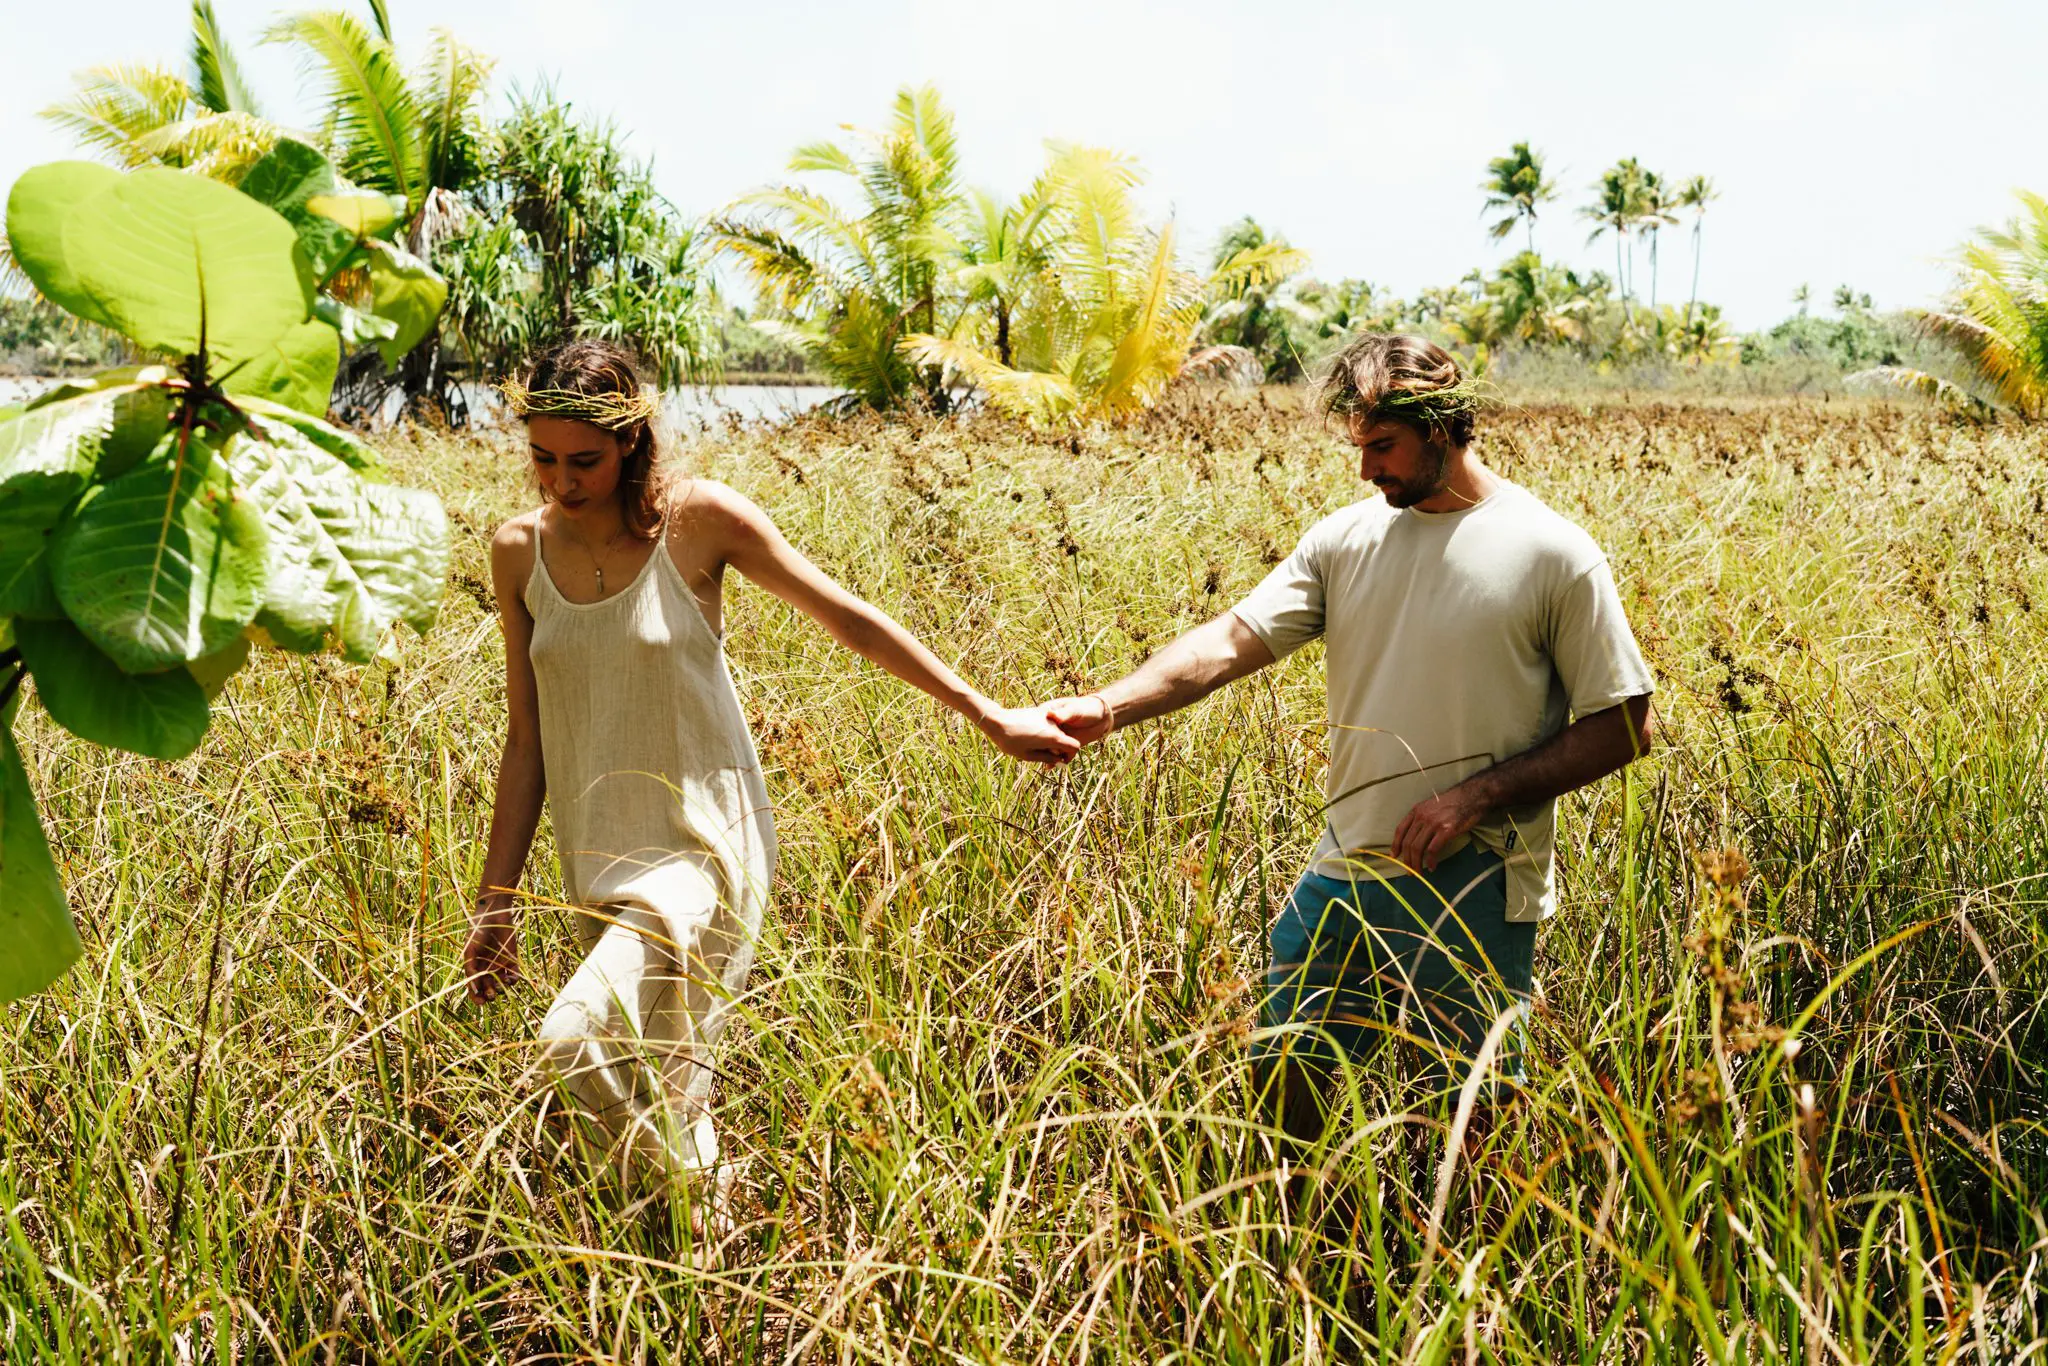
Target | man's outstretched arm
(1194,665)
(1588,749)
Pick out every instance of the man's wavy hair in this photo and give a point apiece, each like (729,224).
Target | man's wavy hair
(1399,377)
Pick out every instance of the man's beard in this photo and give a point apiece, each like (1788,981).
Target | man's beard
(1436,473)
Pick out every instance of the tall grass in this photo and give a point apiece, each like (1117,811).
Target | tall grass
(1784,1104)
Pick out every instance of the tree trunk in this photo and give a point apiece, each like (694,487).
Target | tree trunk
(1621,279)
(1695,272)
(1002,330)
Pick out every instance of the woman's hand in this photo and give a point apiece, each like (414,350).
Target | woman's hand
(1026,733)
(491,957)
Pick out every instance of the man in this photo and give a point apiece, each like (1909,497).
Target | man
(1464,620)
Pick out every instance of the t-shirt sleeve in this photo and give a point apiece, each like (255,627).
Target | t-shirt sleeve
(1592,647)
(1286,609)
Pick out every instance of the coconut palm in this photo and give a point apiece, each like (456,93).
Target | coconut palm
(1616,208)
(419,137)
(1996,320)
(1695,194)
(203,119)
(848,286)
(1108,324)
(1002,248)
(1654,203)
(1252,311)
(1515,187)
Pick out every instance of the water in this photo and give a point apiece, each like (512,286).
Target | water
(692,408)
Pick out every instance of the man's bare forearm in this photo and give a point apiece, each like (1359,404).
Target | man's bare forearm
(1186,670)
(1585,751)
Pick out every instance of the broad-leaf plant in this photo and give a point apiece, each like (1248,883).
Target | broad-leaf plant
(157,520)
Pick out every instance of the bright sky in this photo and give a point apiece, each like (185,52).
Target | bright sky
(1854,141)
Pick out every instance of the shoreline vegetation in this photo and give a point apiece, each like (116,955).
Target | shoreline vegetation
(987,1098)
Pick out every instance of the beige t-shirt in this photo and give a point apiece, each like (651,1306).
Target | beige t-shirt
(1454,640)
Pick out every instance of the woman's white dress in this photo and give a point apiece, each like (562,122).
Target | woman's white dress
(667,844)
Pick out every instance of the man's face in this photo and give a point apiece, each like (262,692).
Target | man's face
(1395,459)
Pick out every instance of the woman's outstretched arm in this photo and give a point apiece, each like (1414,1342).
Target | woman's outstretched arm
(752,544)
(491,956)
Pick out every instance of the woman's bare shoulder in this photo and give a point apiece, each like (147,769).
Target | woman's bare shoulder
(700,508)
(512,543)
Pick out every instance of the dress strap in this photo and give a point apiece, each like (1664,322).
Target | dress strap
(537,571)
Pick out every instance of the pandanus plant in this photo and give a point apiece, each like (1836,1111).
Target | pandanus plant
(157,520)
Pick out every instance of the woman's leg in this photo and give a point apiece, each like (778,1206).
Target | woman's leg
(620,1041)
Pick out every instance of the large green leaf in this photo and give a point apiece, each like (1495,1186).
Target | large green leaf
(25,587)
(164,564)
(347,557)
(356,328)
(213,672)
(36,209)
(162,715)
(405,290)
(35,923)
(56,444)
(288,176)
(175,261)
(297,370)
(338,442)
(364,214)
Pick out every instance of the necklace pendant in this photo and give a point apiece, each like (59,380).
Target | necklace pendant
(600,583)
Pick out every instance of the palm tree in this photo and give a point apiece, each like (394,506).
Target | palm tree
(204,119)
(1653,212)
(1515,186)
(849,286)
(1695,194)
(1253,313)
(1002,248)
(1616,209)
(1996,321)
(1108,324)
(417,137)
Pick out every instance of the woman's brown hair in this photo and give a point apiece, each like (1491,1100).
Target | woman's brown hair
(593,381)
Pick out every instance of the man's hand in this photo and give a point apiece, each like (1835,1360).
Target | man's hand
(491,957)
(1420,838)
(1027,733)
(1087,719)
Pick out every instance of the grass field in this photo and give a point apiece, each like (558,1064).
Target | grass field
(990,1098)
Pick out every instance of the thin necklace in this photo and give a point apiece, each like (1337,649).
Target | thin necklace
(597,563)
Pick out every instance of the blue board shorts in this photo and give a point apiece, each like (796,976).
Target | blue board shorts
(1433,958)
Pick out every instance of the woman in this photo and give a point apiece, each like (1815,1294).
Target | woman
(621,711)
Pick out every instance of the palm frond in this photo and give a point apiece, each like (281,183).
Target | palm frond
(1917,382)
(449,91)
(789,278)
(813,222)
(922,116)
(1154,341)
(374,119)
(116,105)
(1036,395)
(1256,267)
(824,156)
(219,85)
(381,15)
(222,146)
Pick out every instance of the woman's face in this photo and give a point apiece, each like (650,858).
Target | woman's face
(575,463)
